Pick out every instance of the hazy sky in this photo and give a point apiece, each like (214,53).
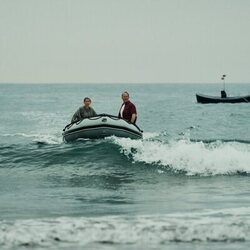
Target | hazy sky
(124,40)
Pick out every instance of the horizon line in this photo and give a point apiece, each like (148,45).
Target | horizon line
(123,82)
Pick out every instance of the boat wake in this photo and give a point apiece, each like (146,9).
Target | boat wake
(190,157)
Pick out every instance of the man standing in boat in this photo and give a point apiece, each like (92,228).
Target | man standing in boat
(84,112)
(128,109)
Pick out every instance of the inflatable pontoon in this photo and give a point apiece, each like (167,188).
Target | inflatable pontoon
(101,126)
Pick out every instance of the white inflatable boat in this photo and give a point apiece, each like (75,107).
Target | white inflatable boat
(101,126)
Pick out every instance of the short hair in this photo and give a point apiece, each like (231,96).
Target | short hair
(125,92)
(86,98)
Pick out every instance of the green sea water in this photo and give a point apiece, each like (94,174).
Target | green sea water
(185,185)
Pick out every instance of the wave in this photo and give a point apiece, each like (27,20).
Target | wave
(179,156)
(37,138)
(228,225)
(220,140)
(190,157)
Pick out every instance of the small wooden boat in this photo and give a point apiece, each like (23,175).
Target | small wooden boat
(223,98)
(216,99)
(101,126)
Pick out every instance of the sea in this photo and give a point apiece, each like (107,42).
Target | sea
(185,185)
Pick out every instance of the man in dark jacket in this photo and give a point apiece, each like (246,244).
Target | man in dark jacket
(128,109)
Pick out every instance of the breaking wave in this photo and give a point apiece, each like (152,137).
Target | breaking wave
(228,225)
(191,157)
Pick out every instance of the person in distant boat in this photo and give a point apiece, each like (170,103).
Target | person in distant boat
(84,112)
(223,94)
(128,109)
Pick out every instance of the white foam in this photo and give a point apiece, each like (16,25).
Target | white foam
(222,225)
(148,135)
(191,157)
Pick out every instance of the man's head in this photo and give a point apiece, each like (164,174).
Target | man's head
(125,96)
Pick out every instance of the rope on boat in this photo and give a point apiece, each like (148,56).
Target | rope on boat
(101,115)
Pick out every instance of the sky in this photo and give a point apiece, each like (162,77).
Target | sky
(124,41)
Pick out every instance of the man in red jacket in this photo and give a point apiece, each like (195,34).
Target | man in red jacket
(128,109)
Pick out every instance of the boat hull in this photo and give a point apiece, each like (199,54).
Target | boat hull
(213,99)
(99,127)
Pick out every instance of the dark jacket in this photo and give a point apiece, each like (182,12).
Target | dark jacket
(82,113)
(129,109)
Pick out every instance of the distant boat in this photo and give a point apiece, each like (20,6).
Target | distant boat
(223,98)
(216,99)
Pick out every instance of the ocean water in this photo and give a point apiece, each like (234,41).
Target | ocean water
(185,185)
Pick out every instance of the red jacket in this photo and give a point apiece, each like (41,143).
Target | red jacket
(129,109)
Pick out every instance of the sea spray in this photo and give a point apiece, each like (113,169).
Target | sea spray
(215,158)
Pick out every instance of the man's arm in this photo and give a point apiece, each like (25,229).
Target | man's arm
(76,116)
(133,118)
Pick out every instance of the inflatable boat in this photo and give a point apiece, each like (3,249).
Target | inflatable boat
(101,126)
